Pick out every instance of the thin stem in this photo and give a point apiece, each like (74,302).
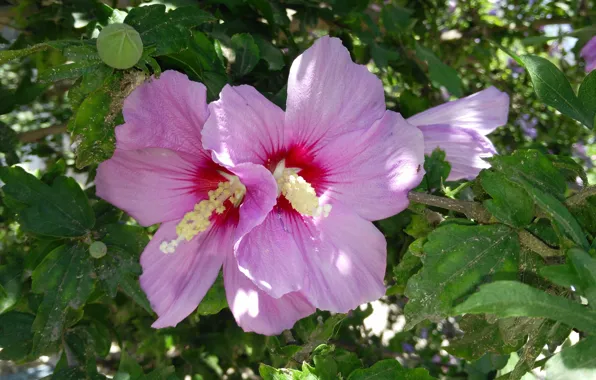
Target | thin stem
(472,210)
(532,242)
(581,196)
(38,134)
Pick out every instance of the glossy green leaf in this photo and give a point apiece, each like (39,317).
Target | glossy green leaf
(458,258)
(510,203)
(59,210)
(65,279)
(533,168)
(514,299)
(93,125)
(201,63)
(11,282)
(246,53)
(270,53)
(16,337)
(585,267)
(559,215)
(439,73)
(168,32)
(390,369)
(436,171)
(480,337)
(553,88)
(587,95)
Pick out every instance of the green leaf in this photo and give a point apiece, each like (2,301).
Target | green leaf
(60,210)
(510,203)
(382,55)
(92,127)
(201,63)
(480,337)
(575,362)
(396,19)
(563,275)
(131,287)
(585,267)
(65,278)
(74,373)
(587,95)
(439,73)
(533,168)
(246,52)
(11,283)
(9,55)
(390,369)
(215,299)
(458,258)
(270,373)
(270,53)
(547,332)
(16,338)
(8,143)
(569,168)
(560,215)
(407,267)
(585,213)
(86,341)
(168,32)
(554,89)
(128,369)
(25,93)
(437,170)
(514,299)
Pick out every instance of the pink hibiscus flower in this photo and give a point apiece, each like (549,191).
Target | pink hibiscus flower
(340,161)
(160,173)
(460,127)
(588,53)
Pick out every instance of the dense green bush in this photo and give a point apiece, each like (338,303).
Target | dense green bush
(486,278)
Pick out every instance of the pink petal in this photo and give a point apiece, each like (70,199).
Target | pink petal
(243,127)
(373,170)
(260,197)
(464,148)
(483,112)
(256,311)
(155,185)
(328,95)
(270,258)
(168,112)
(175,283)
(346,257)
(588,52)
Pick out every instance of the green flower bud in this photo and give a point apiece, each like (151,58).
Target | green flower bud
(98,249)
(119,46)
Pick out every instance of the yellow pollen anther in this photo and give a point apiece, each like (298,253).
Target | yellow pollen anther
(198,220)
(298,192)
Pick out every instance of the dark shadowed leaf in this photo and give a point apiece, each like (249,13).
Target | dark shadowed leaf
(65,279)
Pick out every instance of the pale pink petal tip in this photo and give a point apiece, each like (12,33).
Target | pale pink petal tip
(482,112)
(255,311)
(168,112)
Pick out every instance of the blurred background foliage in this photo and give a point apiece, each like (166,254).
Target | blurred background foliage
(426,52)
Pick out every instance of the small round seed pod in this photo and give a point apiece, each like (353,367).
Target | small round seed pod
(97,249)
(119,46)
